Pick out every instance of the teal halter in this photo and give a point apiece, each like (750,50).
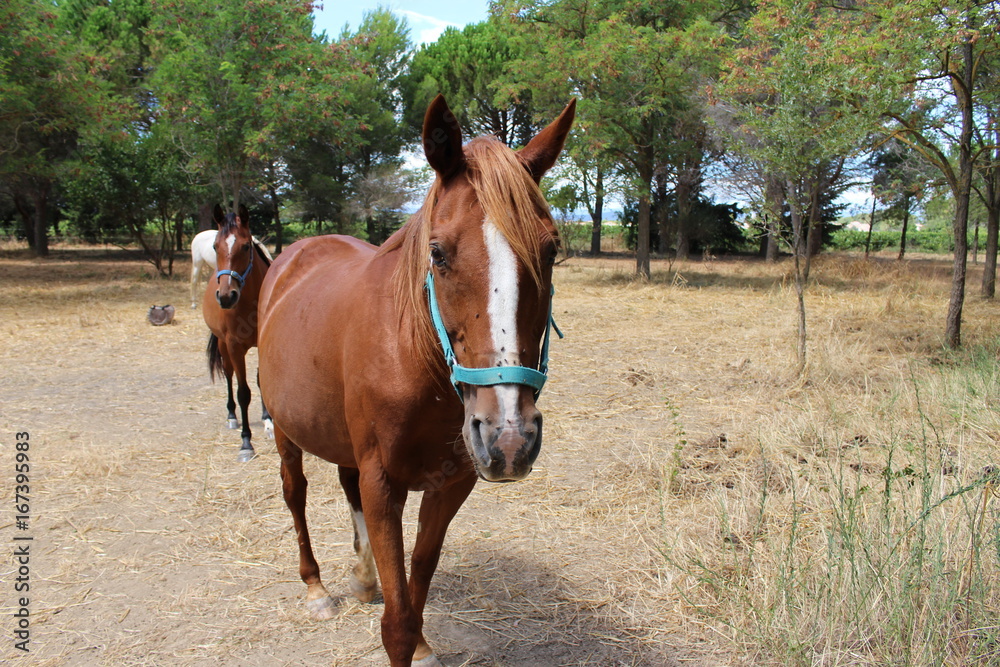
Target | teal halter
(486,377)
(241,279)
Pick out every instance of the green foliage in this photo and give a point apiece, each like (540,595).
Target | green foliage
(467,67)
(715,229)
(51,94)
(127,185)
(239,82)
(937,240)
(116,36)
(635,68)
(330,168)
(47,94)
(785,87)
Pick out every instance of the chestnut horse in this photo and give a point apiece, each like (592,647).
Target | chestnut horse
(229,307)
(384,360)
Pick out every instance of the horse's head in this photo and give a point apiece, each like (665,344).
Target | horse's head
(234,254)
(491,247)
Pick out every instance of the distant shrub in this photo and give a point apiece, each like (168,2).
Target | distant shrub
(933,241)
(854,239)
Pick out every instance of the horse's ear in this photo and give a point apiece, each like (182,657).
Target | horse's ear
(218,214)
(543,150)
(442,139)
(244,216)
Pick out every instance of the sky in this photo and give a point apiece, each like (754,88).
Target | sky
(427,18)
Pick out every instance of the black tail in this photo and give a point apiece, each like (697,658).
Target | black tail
(215,366)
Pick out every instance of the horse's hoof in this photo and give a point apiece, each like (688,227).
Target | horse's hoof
(429,661)
(246,455)
(362,592)
(269,428)
(321,609)
(233,424)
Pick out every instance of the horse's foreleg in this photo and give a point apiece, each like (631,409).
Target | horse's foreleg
(227,368)
(265,416)
(364,583)
(293,486)
(383,506)
(243,394)
(437,508)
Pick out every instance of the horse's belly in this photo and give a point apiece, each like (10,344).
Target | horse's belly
(303,328)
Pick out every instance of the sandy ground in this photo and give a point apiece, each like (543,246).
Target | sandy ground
(151,545)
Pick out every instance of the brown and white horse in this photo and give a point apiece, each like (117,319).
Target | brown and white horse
(353,372)
(229,307)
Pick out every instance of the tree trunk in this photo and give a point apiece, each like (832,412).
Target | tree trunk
(809,232)
(41,197)
(871,226)
(683,196)
(276,212)
(991,181)
(975,244)
(801,276)
(179,232)
(988,289)
(597,215)
(774,204)
(963,190)
(27,219)
(814,235)
(642,240)
(659,210)
(906,223)
(206,218)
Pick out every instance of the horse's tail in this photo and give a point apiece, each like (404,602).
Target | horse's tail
(215,366)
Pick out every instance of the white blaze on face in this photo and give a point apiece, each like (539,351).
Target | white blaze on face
(230,242)
(502,309)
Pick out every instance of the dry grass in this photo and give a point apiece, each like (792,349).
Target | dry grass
(695,502)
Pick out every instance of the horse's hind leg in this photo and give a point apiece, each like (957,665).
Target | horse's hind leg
(265,416)
(364,583)
(293,485)
(195,274)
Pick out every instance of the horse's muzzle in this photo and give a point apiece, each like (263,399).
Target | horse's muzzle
(503,448)
(228,300)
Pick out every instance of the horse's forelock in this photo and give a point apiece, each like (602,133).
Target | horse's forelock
(507,195)
(509,198)
(230,223)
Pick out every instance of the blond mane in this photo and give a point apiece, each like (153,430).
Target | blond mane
(507,195)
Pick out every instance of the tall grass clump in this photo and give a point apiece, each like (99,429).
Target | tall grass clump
(880,544)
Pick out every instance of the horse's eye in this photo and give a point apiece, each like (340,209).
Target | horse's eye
(246,246)
(437,257)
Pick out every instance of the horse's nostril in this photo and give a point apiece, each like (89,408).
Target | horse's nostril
(476,430)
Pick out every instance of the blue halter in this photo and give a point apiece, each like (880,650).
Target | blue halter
(241,279)
(486,377)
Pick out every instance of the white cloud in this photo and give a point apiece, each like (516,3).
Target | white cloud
(428,28)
